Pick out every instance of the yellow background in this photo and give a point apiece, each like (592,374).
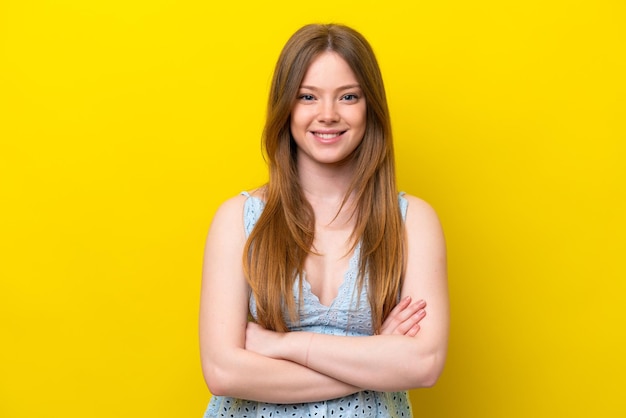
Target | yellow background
(123,125)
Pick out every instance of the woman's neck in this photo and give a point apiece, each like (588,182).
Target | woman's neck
(325,182)
(325,187)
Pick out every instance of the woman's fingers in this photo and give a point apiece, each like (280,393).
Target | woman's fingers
(411,324)
(404,318)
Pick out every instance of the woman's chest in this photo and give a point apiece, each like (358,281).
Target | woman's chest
(348,313)
(328,263)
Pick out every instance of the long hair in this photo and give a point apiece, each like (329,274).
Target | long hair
(276,249)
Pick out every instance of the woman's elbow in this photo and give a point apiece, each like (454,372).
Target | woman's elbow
(429,380)
(428,370)
(222,371)
(217,380)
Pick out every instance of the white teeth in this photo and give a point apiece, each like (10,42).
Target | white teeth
(327,136)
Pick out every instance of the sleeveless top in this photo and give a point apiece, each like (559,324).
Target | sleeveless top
(349,315)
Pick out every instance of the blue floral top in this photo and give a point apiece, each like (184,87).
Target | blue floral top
(349,314)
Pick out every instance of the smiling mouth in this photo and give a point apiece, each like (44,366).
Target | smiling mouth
(327,135)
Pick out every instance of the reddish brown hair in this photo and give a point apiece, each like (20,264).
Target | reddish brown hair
(282,238)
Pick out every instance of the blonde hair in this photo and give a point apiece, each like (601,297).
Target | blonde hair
(276,249)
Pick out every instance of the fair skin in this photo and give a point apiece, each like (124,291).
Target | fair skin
(328,122)
(329,116)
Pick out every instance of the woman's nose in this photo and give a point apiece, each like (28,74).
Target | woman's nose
(328,112)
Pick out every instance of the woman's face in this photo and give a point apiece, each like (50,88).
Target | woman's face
(329,116)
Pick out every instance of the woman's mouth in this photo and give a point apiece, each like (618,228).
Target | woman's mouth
(328,136)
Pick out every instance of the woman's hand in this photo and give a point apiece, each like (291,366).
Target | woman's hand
(404,318)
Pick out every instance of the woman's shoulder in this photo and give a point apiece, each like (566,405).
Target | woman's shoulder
(244,208)
(420,212)
(235,204)
(227,217)
(415,201)
(259,192)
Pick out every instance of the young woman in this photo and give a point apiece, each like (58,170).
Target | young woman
(332,265)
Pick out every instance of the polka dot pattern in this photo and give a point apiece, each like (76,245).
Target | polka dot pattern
(364,404)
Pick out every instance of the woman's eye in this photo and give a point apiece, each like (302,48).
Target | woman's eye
(350,97)
(306,97)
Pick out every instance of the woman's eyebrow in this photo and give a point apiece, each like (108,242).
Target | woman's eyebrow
(346,87)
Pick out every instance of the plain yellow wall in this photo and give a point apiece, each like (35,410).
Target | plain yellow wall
(124,123)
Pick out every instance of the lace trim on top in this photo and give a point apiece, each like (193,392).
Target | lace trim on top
(348,314)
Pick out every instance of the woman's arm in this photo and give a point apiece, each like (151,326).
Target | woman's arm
(228,368)
(383,362)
